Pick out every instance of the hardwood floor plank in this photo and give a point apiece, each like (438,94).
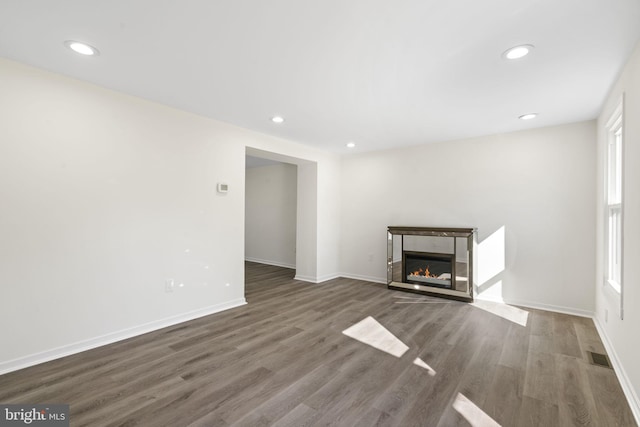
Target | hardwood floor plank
(504,396)
(283,360)
(192,401)
(475,382)
(565,337)
(514,355)
(398,397)
(436,396)
(288,399)
(606,387)
(300,416)
(101,414)
(588,336)
(375,418)
(536,413)
(576,402)
(540,379)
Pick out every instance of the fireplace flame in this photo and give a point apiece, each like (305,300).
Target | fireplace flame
(425,273)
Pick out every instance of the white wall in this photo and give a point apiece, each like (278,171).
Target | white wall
(622,335)
(307,232)
(529,194)
(270,214)
(328,220)
(104,197)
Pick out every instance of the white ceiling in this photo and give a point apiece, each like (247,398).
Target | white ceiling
(378,72)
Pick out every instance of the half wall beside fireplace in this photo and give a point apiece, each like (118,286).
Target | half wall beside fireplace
(432,260)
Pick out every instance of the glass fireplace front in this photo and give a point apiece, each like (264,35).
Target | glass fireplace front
(428,268)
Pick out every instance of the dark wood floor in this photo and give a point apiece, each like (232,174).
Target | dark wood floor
(283,360)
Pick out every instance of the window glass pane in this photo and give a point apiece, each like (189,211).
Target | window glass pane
(613,188)
(618,167)
(614,166)
(616,259)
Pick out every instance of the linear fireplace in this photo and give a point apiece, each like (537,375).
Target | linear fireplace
(432,260)
(428,268)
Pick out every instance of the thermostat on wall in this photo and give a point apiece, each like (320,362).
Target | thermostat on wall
(222,187)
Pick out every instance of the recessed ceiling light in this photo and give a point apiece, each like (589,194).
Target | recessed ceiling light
(351,144)
(517,52)
(81,48)
(277,119)
(528,116)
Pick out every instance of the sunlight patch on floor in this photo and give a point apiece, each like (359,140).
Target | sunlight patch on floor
(422,364)
(370,332)
(474,415)
(508,312)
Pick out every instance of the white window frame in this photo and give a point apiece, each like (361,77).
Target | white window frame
(613,201)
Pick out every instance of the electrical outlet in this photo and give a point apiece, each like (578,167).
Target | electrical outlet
(169,285)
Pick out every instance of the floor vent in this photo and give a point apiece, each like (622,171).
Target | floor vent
(599,359)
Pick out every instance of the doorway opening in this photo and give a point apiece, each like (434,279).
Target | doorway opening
(270,212)
(281,199)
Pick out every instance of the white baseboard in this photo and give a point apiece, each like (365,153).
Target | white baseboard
(328,277)
(312,279)
(365,278)
(549,307)
(268,262)
(624,380)
(492,298)
(332,276)
(67,350)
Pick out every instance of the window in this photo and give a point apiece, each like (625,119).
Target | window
(613,201)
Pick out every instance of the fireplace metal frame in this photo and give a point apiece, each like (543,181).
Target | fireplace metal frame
(470,236)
